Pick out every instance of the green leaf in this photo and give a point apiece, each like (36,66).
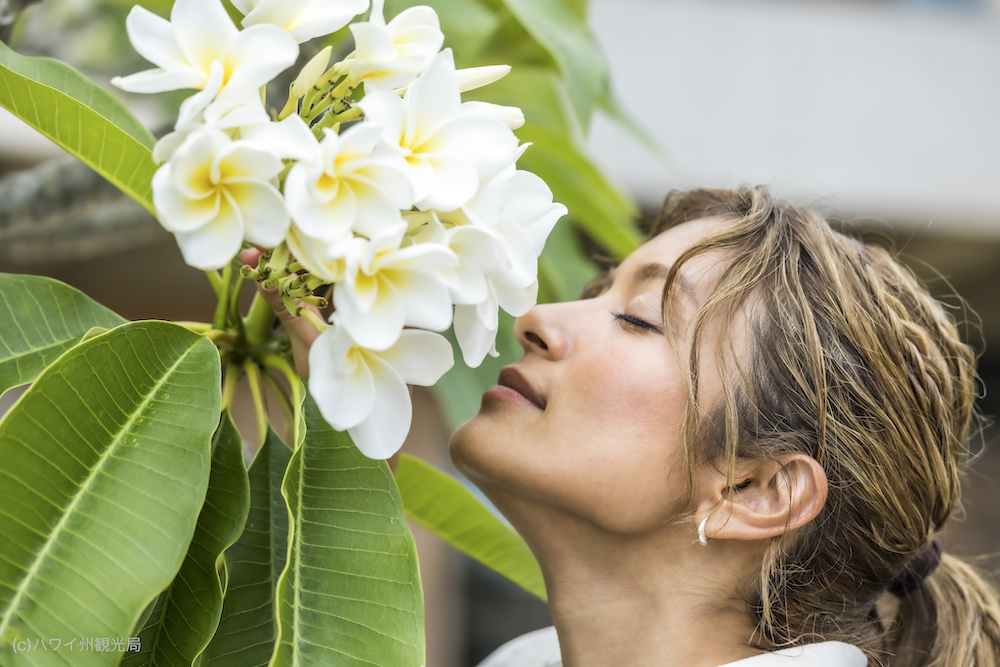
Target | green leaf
(559,28)
(350,593)
(188,612)
(80,116)
(444,506)
(247,631)
(40,318)
(105,467)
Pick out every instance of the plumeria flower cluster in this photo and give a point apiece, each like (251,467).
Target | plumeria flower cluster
(374,178)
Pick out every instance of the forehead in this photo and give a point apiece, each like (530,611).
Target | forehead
(666,247)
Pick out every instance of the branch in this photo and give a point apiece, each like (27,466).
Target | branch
(62,210)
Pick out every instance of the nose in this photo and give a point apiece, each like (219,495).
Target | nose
(542,332)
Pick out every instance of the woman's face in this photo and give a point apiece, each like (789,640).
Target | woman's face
(589,423)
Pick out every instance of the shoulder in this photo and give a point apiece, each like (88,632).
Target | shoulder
(822,654)
(541,649)
(535,649)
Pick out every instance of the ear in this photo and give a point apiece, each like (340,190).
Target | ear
(769,499)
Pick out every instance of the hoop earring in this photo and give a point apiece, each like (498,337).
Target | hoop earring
(702,538)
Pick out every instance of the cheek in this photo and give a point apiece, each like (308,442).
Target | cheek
(631,396)
(628,457)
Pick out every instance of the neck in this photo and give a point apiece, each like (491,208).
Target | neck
(644,600)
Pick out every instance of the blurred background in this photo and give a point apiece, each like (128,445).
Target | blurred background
(882,111)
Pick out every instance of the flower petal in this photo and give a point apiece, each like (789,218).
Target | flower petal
(345,400)
(512,117)
(427,299)
(486,142)
(471,78)
(474,338)
(310,215)
(432,99)
(245,6)
(530,206)
(215,243)
(321,258)
(386,109)
(323,17)
(255,56)
(383,432)
(452,178)
(516,300)
(265,219)
(241,160)
(154,39)
(290,138)
(203,30)
(176,211)
(160,80)
(420,357)
(378,326)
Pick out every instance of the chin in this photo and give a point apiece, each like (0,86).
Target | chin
(461,444)
(475,452)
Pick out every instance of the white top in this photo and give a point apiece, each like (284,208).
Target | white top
(541,649)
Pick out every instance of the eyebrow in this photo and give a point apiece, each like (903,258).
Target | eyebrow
(655,270)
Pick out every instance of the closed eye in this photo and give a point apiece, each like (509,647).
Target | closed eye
(635,323)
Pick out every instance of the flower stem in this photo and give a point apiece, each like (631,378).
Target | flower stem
(314,319)
(291,106)
(219,321)
(332,119)
(232,373)
(316,100)
(234,305)
(279,364)
(257,390)
(197,327)
(282,396)
(221,338)
(216,280)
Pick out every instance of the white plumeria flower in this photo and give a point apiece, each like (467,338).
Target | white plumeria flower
(523,224)
(391,56)
(327,260)
(214,193)
(480,252)
(512,117)
(198,111)
(364,391)
(302,19)
(386,287)
(448,151)
(352,181)
(476,325)
(199,34)
(471,78)
(288,139)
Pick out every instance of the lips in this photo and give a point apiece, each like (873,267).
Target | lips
(512,378)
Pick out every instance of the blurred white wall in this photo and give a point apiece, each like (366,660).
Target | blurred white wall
(887,109)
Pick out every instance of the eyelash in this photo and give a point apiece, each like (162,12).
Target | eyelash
(634,323)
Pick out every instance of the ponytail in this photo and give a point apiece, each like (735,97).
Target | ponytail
(951,620)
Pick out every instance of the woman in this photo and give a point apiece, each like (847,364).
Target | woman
(738,449)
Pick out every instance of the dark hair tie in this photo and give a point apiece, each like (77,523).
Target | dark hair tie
(919,569)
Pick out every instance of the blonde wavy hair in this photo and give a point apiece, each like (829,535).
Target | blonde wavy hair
(852,362)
